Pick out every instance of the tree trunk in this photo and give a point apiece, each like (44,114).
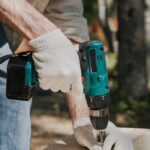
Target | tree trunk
(132,80)
(102,11)
(147,35)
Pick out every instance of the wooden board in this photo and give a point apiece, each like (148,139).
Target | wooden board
(69,143)
(140,139)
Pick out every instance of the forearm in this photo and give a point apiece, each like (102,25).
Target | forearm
(22,17)
(78,107)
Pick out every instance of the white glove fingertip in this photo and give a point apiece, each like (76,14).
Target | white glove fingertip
(124,143)
(109,142)
(96,147)
(115,136)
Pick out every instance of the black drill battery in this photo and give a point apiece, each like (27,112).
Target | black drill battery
(21,77)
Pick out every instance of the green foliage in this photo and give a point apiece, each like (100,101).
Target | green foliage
(90,9)
(134,113)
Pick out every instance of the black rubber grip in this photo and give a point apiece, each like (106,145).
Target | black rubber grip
(98,102)
(99,123)
(99,107)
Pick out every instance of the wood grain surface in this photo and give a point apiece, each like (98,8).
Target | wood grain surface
(140,139)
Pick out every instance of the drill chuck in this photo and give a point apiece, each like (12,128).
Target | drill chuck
(99,111)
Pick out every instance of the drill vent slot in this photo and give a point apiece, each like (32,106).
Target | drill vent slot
(83,59)
(100,57)
(107,87)
(93,57)
(98,79)
(91,80)
(101,49)
(81,50)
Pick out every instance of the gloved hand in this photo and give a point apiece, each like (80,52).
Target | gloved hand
(115,136)
(57,63)
(84,134)
(83,130)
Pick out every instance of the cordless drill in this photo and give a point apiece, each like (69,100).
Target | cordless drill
(22,76)
(95,81)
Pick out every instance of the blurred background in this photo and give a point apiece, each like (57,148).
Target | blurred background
(124,28)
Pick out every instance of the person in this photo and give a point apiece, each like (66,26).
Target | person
(55,42)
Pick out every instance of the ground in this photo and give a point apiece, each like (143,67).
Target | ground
(50,119)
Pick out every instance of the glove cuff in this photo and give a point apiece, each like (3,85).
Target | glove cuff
(96,147)
(81,122)
(51,41)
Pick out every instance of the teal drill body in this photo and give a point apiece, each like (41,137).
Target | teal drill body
(95,81)
(31,75)
(96,75)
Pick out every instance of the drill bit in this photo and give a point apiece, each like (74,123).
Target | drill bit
(101,137)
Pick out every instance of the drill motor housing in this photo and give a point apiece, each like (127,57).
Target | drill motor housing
(94,72)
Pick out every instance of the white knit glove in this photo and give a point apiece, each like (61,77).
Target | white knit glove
(84,134)
(117,138)
(57,63)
